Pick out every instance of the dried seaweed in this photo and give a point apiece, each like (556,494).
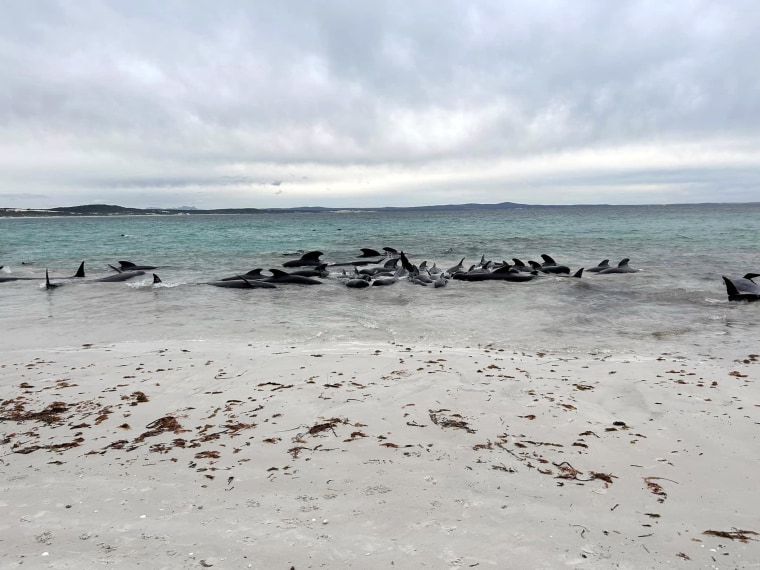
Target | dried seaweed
(161,425)
(49,415)
(656,488)
(735,534)
(208,455)
(324,426)
(449,421)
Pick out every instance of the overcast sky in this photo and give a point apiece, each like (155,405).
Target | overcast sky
(349,103)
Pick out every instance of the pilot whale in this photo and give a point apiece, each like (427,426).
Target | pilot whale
(242,283)
(743,288)
(8,278)
(622,267)
(310,258)
(129,266)
(279,276)
(504,273)
(604,264)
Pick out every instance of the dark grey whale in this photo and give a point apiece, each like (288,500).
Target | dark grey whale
(252,275)
(604,264)
(123,276)
(279,276)
(9,278)
(504,273)
(359,282)
(319,271)
(385,281)
(307,259)
(129,266)
(743,288)
(622,267)
(242,283)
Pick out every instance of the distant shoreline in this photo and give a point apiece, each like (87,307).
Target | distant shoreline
(102,210)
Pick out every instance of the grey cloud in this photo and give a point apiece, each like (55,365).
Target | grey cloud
(182,86)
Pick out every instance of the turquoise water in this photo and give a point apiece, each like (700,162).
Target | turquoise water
(677,300)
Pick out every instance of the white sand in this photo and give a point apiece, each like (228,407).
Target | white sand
(375,457)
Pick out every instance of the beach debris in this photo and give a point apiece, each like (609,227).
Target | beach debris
(449,421)
(735,534)
(136,398)
(656,488)
(161,425)
(324,426)
(51,414)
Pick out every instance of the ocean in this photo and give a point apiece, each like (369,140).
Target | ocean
(676,302)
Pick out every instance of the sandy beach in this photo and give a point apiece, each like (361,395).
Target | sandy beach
(232,455)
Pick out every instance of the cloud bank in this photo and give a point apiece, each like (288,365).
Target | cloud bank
(339,103)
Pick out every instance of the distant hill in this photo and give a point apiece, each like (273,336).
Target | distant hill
(112,210)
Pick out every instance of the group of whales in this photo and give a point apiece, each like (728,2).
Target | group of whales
(374,268)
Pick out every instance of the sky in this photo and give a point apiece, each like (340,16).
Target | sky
(222,104)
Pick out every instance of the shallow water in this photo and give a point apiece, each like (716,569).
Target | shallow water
(676,302)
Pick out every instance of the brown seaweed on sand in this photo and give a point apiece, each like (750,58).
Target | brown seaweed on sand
(161,425)
(735,534)
(656,488)
(51,414)
(449,421)
(324,426)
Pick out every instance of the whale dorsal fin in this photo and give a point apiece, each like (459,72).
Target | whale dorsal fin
(624,262)
(277,273)
(518,262)
(730,287)
(604,263)
(548,259)
(254,272)
(126,264)
(312,255)
(393,262)
(578,273)
(80,271)
(156,279)
(391,250)
(369,252)
(534,264)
